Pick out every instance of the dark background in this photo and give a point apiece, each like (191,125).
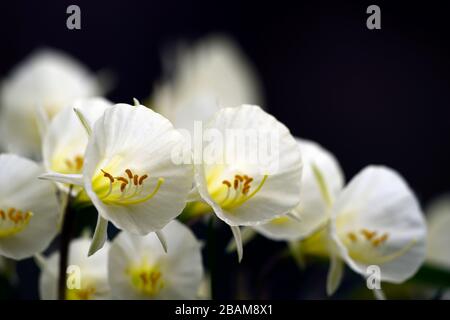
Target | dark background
(370,96)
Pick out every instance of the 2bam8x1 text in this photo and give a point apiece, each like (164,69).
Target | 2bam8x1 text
(242,309)
(224,309)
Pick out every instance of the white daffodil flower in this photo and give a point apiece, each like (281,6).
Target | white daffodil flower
(375,221)
(35,91)
(129,174)
(140,269)
(210,75)
(438,217)
(321,182)
(28,208)
(66,139)
(87,277)
(244,185)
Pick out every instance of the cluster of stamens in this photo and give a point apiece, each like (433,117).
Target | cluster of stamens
(370,236)
(126,189)
(75,164)
(147,280)
(239,191)
(13,221)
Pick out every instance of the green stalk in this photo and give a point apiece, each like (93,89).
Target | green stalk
(66,236)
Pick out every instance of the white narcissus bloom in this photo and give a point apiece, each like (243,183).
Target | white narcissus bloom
(28,208)
(65,141)
(438,217)
(35,91)
(87,277)
(128,171)
(321,182)
(140,269)
(375,220)
(208,76)
(241,189)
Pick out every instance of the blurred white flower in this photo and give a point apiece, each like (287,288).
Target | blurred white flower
(128,171)
(321,182)
(375,220)
(140,269)
(241,191)
(438,244)
(210,75)
(87,277)
(35,91)
(66,139)
(28,208)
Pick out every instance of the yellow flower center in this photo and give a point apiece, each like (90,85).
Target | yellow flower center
(68,165)
(127,189)
(146,278)
(13,221)
(233,193)
(367,246)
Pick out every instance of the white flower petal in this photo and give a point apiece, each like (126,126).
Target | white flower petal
(42,120)
(379,200)
(180,269)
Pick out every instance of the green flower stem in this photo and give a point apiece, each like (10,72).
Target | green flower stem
(212,257)
(66,235)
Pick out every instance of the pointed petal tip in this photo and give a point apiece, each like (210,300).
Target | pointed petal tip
(238,240)
(100,235)
(74,179)
(335,274)
(240,256)
(84,121)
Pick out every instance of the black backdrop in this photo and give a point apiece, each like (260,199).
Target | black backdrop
(371,97)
